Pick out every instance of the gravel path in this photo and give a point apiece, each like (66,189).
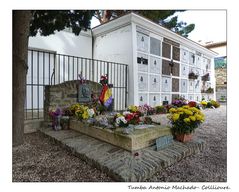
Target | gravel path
(40,159)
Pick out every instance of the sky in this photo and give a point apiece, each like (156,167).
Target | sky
(210,25)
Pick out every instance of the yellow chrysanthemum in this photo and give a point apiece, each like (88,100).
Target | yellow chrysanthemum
(188,112)
(198,117)
(194,109)
(185,106)
(175,117)
(203,102)
(180,109)
(186,120)
(192,118)
(172,110)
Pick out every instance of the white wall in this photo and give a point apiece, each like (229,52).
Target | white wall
(114,46)
(65,42)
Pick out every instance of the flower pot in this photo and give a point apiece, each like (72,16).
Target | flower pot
(65,122)
(184,137)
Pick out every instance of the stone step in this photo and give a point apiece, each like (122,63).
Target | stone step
(120,164)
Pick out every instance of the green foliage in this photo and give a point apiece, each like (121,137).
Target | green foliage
(160,109)
(46,22)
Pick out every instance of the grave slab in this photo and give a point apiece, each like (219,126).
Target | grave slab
(138,139)
(120,164)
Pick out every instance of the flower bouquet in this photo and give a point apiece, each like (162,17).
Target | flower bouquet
(55,115)
(185,120)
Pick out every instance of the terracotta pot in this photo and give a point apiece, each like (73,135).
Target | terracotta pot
(184,137)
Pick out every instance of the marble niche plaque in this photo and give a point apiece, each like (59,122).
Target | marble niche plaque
(191,85)
(142,42)
(143,82)
(143,98)
(166,84)
(154,83)
(154,99)
(142,61)
(155,64)
(184,85)
(184,70)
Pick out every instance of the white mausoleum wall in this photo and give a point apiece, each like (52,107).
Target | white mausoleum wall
(65,42)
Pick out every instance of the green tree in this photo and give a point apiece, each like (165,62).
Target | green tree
(163,17)
(27,23)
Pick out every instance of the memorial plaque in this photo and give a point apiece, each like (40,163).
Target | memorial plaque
(142,61)
(166,84)
(155,64)
(154,99)
(143,82)
(191,85)
(143,98)
(155,46)
(184,85)
(142,42)
(165,98)
(84,93)
(184,55)
(163,142)
(184,70)
(154,83)
(198,61)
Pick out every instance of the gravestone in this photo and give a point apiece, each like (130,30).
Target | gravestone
(84,93)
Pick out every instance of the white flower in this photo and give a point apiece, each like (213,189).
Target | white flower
(91,112)
(126,113)
(120,119)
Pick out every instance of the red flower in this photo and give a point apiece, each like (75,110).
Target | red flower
(192,104)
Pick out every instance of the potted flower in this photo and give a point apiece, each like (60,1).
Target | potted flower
(206,77)
(160,109)
(55,115)
(179,102)
(184,121)
(192,75)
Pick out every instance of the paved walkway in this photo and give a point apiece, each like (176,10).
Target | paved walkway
(120,164)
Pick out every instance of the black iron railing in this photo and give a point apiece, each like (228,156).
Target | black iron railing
(50,68)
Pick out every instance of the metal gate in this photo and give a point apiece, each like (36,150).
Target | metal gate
(49,68)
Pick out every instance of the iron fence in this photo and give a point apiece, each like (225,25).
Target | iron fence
(50,68)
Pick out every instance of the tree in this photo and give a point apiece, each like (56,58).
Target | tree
(27,23)
(162,17)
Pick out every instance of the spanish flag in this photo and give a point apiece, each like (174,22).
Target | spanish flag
(106,96)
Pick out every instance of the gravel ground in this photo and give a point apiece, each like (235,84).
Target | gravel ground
(40,159)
